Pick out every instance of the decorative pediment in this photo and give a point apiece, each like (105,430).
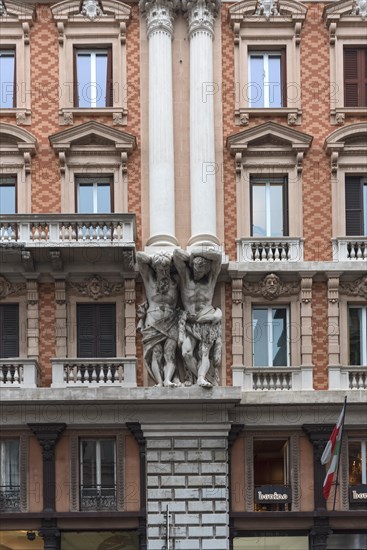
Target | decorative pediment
(15,12)
(15,141)
(10,289)
(349,140)
(344,11)
(271,287)
(79,11)
(252,11)
(271,135)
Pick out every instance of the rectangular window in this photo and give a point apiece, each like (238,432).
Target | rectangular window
(9,475)
(9,330)
(97,474)
(355,77)
(94,194)
(270,347)
(269,207)
(357,335)
(7,78)
(356,205)
(8,194)
(271,468)
(266,79)
(93,78)
(96,326)
(357,451)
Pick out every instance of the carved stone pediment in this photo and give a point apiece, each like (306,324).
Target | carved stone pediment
(16,11)
(355,288)
(10,289)
(271,287)
(96,287)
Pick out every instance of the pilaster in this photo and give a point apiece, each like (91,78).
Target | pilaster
(130,318)
(32,318)
(318,434)
(306,320)
(61,318)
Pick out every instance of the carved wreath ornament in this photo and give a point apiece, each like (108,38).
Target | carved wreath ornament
(271,287)
(96,287)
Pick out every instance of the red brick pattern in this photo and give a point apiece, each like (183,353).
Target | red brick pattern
(320,335)
(46,330)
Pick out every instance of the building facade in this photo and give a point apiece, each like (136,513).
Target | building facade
(126,128)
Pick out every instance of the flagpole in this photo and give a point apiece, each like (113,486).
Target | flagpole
(340,452)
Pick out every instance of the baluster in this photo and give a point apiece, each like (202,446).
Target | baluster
(8,375)
(285,382)
(43,232)
(265,386)
(16,376)
(354,381)
(263,252)
(66,376)
(3,378)
(257,253)
(79,374)
(36,233)
(98,229)
(94,375)
(62,231)
(283,255)
(72,374)
(270,253)
(360,381)
(271,382)
(120,373)
(276,253)
(278,385)
(352,251)
(364,250)
(255,382)
(359,251)
(109,375)
(109,230)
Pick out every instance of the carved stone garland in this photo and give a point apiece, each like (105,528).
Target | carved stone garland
(96,287)
(355,288)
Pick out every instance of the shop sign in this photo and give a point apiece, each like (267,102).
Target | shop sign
(273,494)
(358,493)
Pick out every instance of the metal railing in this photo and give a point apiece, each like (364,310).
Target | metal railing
(97,498)
(9,498)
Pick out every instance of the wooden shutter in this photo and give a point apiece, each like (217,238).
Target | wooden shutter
(9,330)
(285,208)
(355,77)
(109,87)
(283,68)
(353,206)
(75,78)
(96,330)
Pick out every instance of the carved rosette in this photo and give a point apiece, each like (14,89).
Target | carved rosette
(159,14)
(7,288)
(355,288)
(96,287)
(201,15)
(271,287)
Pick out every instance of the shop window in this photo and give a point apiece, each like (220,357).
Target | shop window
(8,194)
(355,77)
(96,326)
(269,212)
(9,476)
(85,540)
(267,79)
(270,337)
(356,205)
(357,335)
(7,79)
(357,459)
(97,475)
(271,475)
(94,194)
(9,330)
(93,77)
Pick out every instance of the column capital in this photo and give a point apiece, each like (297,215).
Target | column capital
(201,15)
(159,15)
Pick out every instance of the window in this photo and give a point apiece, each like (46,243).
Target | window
(96,326)
(97,474)
(7,194)
(271,474)
(355,77)
(266,79)
(357,335)
(7,78)
(357,460)
(356,205)
(9,330)
(270,337)
(94,194)
(9,475)
(269,216)
(93,70)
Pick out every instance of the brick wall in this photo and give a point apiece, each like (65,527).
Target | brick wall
(46,330)
(320,335)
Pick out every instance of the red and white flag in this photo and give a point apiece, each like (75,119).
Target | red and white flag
(332,451)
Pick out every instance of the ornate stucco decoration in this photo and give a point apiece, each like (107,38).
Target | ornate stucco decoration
(268,8)
(355,288)
(2,8)
(306,290)
(159,14)
(96,287)
(346,144)
(360,8)
(7,288)
(271,287)
(91,9)
(201,14)
(237,291)
(333,289)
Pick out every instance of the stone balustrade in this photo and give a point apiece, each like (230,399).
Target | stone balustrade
(273,378)
(66,229)
(267,249)
(347,378)
(15,373)
(94,372)
(351,248)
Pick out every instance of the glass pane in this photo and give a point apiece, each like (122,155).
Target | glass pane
(271,543)
(260,337)
(276,210)
(355,462)
(107,463)
(7,199)
(355,340)
(279,335)
(85,91)
(103,199)
(7,60)
(10,463)
(256,81)
(89,464)
(101,78)
(275,90)
(258,210)
(365,208)
(85,202)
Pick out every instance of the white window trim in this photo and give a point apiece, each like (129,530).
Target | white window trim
(363,334)
(266,83)
(15,29)
(94,186)
(93,72)
(284,30)
(346,29)
(267,184)
(76,30)
(269,325)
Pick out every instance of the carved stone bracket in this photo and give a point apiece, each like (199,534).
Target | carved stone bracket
(60,291)
(271,287)
(355,288)
(306,289)
(56,260)
(237,291)
(27,260)
(96,287)
(318,434)
(32,292)
(333,289)
(7,288)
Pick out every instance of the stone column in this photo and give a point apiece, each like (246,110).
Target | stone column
(159,15)
(319,435)
(201,15)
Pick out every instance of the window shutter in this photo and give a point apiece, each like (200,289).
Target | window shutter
(9,330)
(353,206)
(351,77)
(75,78)
(107,330)
(283,64)
(87,333)
(96,330)
(285,208)
(109,87)
(364,82)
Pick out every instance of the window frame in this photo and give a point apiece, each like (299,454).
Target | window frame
(15,307)
(99,487)
(3,444)
(268,182)
(107,177)
(94,324)
(14,177)
(363,199)
(363,334)
(12,49)
(361,79)
(92,50)
(363,447)
(269,325)
(281,52)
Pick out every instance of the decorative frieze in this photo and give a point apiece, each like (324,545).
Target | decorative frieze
(96,287)
(271,287)
(355,288)
(10,289)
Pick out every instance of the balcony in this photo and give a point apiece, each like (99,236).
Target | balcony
(348,378)
(273,378)
(101,499)
(9,498)
(51,230)
(76,373)
(15,373)
(268,249)
(350,249)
